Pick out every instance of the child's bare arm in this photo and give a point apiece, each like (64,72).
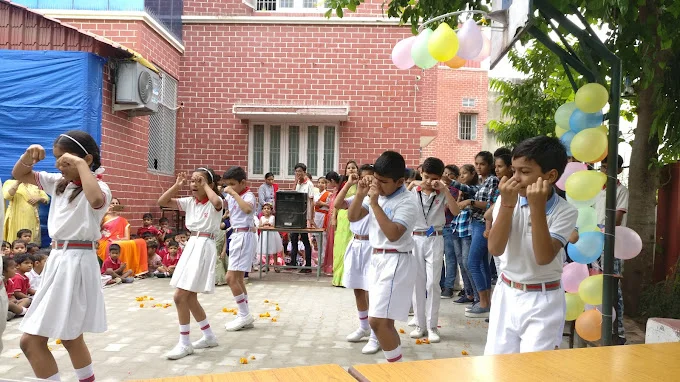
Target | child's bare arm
(342,194)
(168,199)
(31,291)
(246,207)
(19,295)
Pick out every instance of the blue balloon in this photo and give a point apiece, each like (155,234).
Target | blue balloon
(588,248)
(566,140)
(581,121)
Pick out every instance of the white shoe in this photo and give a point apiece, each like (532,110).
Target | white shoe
(433,335)
(205,342)
(413,322)
(179,351)
(241,322)
(358,334)
(371,347)
(418,332)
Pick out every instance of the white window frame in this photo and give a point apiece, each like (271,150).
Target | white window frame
(284,160)
(473,127)
(469,102)
(297,7)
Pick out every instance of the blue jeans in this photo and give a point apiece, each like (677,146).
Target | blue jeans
(450,266)
(478,262)
(462,249)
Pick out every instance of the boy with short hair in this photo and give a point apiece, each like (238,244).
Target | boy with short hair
(450,266)
(172,257)
(25,234)
(6,249)
(391,210)
(621,218)
(22,285)
(155,263)
(35,275)
(18,247)
(304,185)
(433,198)
(530,229)
(241,205)
(15,307)
(114,268)
(147,226)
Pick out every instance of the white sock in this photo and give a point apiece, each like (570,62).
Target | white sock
(23,311)
(373,337)
(363,319)
(393,355)
(242,302)
(205,327)
(85,374)
(55,377)
(184,338)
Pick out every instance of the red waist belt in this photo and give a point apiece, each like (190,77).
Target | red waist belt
(203,234)
(551,285)
(72,244)
(244,229)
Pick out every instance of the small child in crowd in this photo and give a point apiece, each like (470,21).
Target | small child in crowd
(32,248)
(164,228)
(147,226)
(114,268)
(530,229)
(270,241)
(25,235)
(16,307)
(18,247)
(172,257)
(35,275)
(155,263)
(22,285)
(181,238)
(6,249)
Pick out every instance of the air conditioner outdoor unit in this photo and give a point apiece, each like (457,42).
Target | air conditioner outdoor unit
(138,89)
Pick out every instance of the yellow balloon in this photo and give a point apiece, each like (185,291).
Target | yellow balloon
(604,129)
(588,145)
(443,44)
(591,98)
(584,185)
(559,132)
(590,290)
(575,306)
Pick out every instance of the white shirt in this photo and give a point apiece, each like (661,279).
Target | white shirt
(359,227)
(621,204)
(34,279)
(200,216)
(431,209)
(75,220)
(401,208)
(237,217)
(518,262)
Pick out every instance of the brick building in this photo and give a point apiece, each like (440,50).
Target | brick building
(267,88)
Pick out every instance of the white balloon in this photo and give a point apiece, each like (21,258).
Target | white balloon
(470,39)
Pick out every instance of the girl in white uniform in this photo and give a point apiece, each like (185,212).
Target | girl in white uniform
(70,301)
(270,241)
(357,264)
(195,271)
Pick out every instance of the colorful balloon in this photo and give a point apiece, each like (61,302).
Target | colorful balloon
(590,290)
(563,114)
(566,141)
(581,121)
(571,168)
(574,306)
(590,228)
(591,97)
(589,325)
(443,44)
(587,217)
(585,185)
(471,40)
(486,50)
(572,275)
(419,52)
(401,54)
(559,132)
(588,248)
(581,203)
(627,244)
(589,145)
(599,309)
(455,63)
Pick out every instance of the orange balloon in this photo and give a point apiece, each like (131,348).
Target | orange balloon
(589,325)
(604,155)
(455,63)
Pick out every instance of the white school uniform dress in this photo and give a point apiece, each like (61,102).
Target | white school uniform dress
(34,279)
(526,321)
(70,300)
(270,241)
(357,256)
(243,244)
(195,270)
(429,256)
(391,274)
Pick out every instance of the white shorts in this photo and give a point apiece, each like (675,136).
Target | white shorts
(242,247)
(522,322)
(391,281)
(195,270)
(70,301)
(357,265)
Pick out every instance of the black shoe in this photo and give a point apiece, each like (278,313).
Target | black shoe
(461,293)
(447,293)
(305,271)
(619,340)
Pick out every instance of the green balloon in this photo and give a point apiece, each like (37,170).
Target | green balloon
(587,217)
(563,114)
(419,51)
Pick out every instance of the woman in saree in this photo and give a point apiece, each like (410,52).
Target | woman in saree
(114,227)
(22,212)
(343,235)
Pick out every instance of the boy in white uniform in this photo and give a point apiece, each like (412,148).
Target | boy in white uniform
(433,197)
(242,246)
(391,209)
(531,226)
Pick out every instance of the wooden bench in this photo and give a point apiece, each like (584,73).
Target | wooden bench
(319,373)
(653,362)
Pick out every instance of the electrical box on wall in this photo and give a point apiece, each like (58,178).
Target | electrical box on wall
(137,89)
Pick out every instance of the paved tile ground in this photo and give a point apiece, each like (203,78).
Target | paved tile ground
(311,326)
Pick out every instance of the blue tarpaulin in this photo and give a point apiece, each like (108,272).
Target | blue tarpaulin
(44,94)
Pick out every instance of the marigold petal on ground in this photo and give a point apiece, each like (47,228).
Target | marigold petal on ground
(464,352)
(419,342)
(252,357)
(141,305)
(266,301)
(401,331)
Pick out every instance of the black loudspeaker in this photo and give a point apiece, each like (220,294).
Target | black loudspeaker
(291,209)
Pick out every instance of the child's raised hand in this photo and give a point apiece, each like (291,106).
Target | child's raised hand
(200,181)
(438,185)
(229,190)
(34,153)
(181,178)
(509,188)
(363,185)
(352,179)
(374,192)
(538,193)
(68,160)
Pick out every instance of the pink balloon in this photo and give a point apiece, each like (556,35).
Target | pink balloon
(571,168)
(486,50)
(627,244)
(401,54)
(470,40)
(572,275)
